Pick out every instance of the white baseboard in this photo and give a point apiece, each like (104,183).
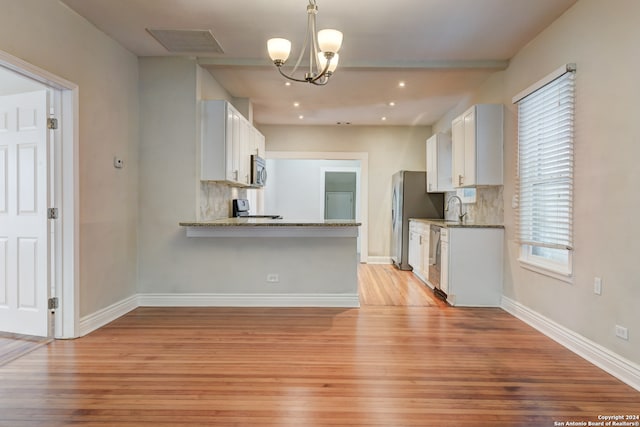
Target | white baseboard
(379,260)
(244,300)
(616,365)
(106,315)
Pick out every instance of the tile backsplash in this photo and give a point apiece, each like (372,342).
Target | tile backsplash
(488,208)
(215,200)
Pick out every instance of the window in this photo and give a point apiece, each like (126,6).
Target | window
(545,173)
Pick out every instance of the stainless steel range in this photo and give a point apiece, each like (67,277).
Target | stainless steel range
(241,209)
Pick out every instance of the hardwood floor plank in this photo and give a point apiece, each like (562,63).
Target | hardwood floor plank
(380,365)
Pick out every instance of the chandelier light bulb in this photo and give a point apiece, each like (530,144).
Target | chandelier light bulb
(322,60)
(329,40)
(279,50)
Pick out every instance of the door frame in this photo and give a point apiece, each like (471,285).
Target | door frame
(65,192)
(363,183)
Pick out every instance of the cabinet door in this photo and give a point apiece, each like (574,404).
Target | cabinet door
(244,157)
(444,266)
(458,151)
(261,144)
(469,175)
(439,160)
(253,141)
(414,250)
(424,253)
(232,137)
(432,164)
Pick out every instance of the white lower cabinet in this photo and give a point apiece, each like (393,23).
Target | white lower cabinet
(444,260)
(419,249)
(471,266)
(414,249)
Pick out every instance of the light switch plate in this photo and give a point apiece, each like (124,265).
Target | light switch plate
(622,332)
(597,286)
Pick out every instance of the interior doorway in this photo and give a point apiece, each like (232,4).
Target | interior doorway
(340,192)
(55,204)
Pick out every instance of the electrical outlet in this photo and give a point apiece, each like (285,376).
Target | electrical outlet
(273,278)
(597,286)
(622,332)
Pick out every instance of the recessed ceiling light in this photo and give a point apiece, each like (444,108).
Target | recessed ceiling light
(287,83)
(402,84)
(384,119)
(392,104)
(296,104)
(301,117)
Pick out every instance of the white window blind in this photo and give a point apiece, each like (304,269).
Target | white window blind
(545,164)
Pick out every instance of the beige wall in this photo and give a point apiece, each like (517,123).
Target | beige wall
(390,148)
(50,36)
(602,39)
(170,262)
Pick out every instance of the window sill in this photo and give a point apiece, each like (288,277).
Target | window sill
(559,274)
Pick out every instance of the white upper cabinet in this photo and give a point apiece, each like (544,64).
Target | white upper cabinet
(257,146)
(227,142)
(439,164)
(477,146)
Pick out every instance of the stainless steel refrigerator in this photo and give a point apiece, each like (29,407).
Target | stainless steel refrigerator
(410,200)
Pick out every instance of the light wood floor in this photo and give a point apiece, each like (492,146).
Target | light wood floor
(380,365)
(13,346)
(388,286)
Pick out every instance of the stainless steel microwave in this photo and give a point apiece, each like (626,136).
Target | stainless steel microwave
(258,171)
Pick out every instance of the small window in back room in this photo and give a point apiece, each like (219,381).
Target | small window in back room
(545,173)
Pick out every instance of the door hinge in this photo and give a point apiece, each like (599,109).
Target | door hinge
(52,213)
(53,303)
(52,123)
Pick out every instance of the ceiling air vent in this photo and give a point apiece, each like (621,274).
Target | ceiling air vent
(187,40)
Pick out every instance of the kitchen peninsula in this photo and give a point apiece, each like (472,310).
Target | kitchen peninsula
(287,263)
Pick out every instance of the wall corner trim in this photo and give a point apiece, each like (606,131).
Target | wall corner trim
(610,362)
(106,315)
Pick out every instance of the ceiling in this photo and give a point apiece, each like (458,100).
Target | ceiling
(441,49)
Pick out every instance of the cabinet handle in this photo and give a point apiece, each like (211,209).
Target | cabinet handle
(460,179)
(235,175)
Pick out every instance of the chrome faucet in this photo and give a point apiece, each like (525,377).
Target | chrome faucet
(460,215)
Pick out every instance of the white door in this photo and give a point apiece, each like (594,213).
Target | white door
(24,248)
(339,205)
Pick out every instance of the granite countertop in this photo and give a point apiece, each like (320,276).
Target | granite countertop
(455,224)
(268,222)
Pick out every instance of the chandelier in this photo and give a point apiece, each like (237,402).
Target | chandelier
(322,47)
